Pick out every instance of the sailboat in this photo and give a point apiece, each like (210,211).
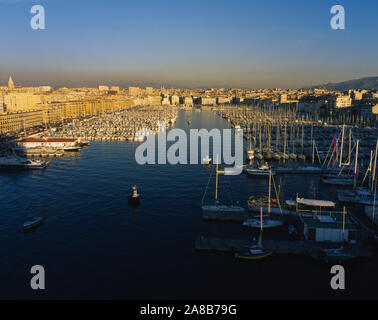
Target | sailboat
(262,171)
(362,196)
(262,223)
(255,252)
(217,207)
(250,152)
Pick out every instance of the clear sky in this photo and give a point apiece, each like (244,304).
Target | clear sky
(188,43)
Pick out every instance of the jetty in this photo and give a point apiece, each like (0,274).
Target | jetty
(224,245)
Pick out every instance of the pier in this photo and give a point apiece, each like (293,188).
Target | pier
(225,245)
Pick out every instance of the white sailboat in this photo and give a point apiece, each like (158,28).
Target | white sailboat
(362,196)
(263,222)
(217,207)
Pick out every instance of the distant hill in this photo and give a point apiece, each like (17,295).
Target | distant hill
(357,84)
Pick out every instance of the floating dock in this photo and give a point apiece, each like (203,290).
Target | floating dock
(277,246)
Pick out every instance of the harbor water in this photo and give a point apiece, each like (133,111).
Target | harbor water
(93,245)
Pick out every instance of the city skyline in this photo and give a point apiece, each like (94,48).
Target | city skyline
(285,44)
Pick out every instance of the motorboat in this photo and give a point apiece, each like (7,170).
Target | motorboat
(14,163)
(33,223)
(72,149)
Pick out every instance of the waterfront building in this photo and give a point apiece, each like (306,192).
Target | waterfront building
(175,100)
(207,101)
(134,91)
(15,122)
(20,102)
(188,101)
(103,88)
(55,143)
(340,101)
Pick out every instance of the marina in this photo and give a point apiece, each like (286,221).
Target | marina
(103,174)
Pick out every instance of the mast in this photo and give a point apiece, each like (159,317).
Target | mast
(216,181)
(350,146)
(342,146)
(356,165)
(270,187)
(375,167)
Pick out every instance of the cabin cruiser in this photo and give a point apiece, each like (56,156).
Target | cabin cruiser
(15,163)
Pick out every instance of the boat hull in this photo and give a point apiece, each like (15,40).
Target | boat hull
(222,209)
(248,256)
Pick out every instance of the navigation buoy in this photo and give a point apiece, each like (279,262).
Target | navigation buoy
(134,199)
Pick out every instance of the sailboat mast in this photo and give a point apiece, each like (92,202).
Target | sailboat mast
(270,187)
(375,167)
(216,181)
(342,146)
(356,165)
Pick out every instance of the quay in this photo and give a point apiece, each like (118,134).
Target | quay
(223,245)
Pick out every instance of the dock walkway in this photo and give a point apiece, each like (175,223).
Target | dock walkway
(277,246)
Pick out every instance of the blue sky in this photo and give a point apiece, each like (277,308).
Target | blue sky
(188,43)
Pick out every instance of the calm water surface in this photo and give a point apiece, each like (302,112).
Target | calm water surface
(93,245)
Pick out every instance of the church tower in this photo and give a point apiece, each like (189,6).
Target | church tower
(10,83)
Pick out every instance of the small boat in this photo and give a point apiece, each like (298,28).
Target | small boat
(259,156)
(84,143)
(207,160)
(336,181)
(33,223)
(134,199)
(72,149)
(250,155)
(359,196)
(254,253)
(333,255)
(262,171)
(14,163)
(302,157)
(276,156)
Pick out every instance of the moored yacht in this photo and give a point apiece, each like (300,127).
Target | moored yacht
(14,163)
